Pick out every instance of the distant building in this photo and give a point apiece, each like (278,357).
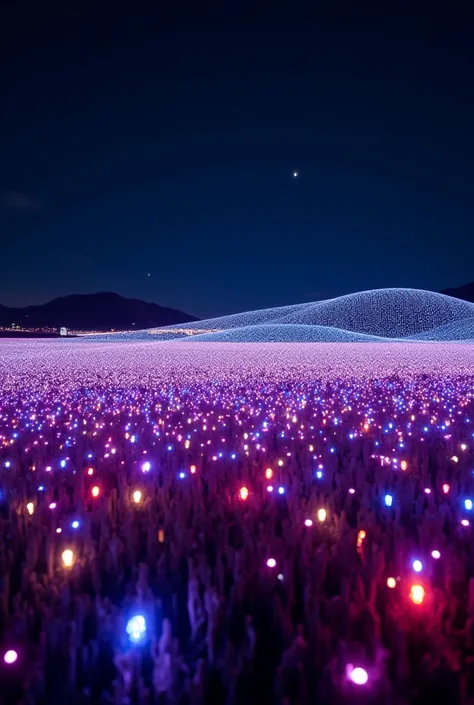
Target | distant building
(63,332)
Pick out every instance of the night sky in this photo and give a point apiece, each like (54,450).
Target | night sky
(153,155)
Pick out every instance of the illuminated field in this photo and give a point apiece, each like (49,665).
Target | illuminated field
(72,364)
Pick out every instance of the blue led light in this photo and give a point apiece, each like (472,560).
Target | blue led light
(468,504)
(75,524)
(146,467)
(388,500)
(136,628)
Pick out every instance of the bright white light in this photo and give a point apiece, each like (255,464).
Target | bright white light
(357,675)
(136,628)
(468,504)
(308,522)
(417,566)
(10,656)
(146,467)
(271,563)
(436,554)
(388,500)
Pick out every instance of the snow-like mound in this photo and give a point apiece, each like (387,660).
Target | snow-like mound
(284,333)
(379,314)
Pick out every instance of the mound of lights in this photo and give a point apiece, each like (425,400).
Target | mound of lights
(367,316)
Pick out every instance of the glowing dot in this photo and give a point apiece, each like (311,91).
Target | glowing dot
(268,473)
(322,514)
(436,554)
(417,566)
(192,469)
(427,490)
(67,557)
(244,493)
(463,446)
(281,490)
(445,488)
(146,467)
(271,563)
(270,488)
(403,465)
(10,657)
(58,530)
(455,459)
(52,505)
(95,491)
(75,524)
(319,474)
(295,174)
(308,522)
(280,576)
(136,628)
(357,675)
(182,475)
(388,500)
(280,463)
(352,490)
(30,508)
(464,522)
(468,504)
(137,496)
(391,583)
(90,471)
(417,594)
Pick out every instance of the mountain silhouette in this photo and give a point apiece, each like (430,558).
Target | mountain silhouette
(102,312)
(464,292)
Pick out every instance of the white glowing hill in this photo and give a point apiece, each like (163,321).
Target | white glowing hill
(367,316)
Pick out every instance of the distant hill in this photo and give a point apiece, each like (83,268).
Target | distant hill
(464,292)
(101,312)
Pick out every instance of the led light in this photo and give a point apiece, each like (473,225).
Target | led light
(146,467)
(468,504)
(322,514)
(417,594)
(268,473)
(192,469)
(244,493)
(270,488)
(95,491)
(52,505)
(464,522)
(417,566)
(67,557)
(10,657)
(281,490)
(319,474)
(136,628)
(388,500)
(137,496)
(271,563)
(90,471)
(75,524)
(352,490)
(391,583)
(30,508)
(357,675)
(446,488)
(436,554)
(308,522)
(403,465)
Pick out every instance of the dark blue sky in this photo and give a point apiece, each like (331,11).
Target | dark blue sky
(165,144)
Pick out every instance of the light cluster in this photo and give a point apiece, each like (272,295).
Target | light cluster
(367,316)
